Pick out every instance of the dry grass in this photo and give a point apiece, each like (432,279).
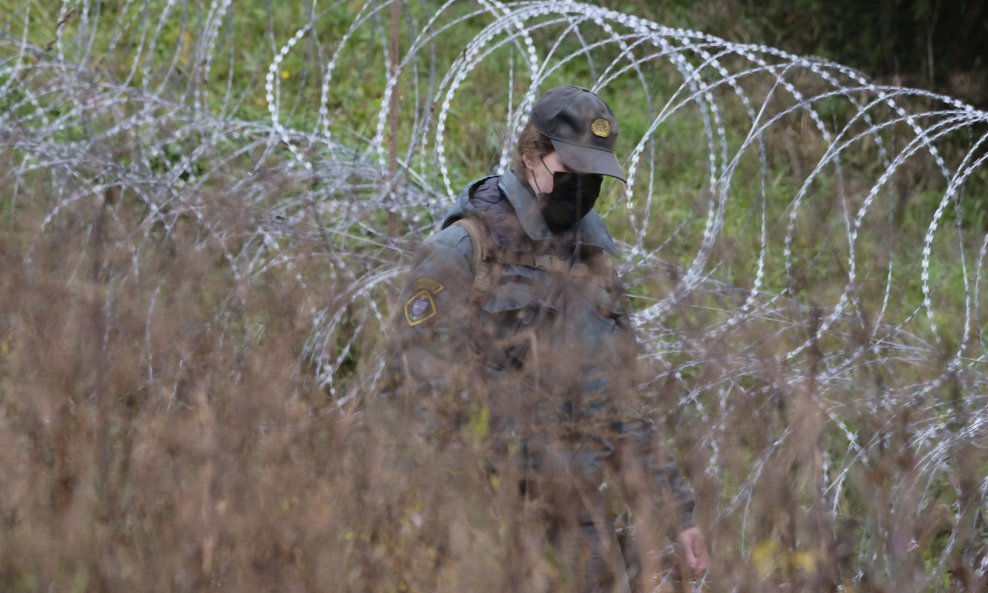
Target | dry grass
(153,439)
(189,349)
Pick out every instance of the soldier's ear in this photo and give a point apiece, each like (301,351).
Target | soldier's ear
(530,162)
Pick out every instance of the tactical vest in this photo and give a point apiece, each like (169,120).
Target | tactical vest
(549,316)
(489,262)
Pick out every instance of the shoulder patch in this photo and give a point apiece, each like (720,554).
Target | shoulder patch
(421,306)
(428,284)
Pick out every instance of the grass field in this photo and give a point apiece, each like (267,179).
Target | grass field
(206,210)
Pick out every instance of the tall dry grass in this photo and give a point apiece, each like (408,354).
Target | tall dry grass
(189,348)
(160,432)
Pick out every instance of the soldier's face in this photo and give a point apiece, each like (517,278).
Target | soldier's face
(540,171)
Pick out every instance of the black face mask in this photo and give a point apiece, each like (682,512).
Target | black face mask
(573,195)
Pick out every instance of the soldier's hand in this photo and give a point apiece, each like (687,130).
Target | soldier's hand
(693,549)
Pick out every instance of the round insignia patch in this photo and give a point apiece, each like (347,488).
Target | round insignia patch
(601,127)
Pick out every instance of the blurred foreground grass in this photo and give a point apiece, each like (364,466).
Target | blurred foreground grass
(163,425)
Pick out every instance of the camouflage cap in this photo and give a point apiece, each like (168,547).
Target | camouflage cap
(582,129)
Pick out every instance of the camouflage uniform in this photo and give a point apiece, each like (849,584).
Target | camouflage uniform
(544,340)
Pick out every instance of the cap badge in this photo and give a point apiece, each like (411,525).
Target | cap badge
(601,127)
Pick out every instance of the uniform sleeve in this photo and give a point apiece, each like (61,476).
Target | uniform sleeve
(429,334)
(651,477)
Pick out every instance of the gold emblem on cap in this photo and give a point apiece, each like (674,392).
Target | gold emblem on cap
(601,127)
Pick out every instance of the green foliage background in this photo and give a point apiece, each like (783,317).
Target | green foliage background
(163,425)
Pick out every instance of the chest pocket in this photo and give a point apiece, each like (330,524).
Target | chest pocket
(605,306)
(517,299)
(505,321)
(512,303)
(509,296)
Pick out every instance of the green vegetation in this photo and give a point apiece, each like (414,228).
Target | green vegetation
(191,320)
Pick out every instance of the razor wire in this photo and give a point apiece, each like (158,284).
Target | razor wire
(816,218)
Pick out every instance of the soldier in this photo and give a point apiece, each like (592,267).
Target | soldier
(515,301)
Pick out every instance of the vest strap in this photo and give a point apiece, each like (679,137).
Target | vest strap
(479,238)
(489,261)
(486,269)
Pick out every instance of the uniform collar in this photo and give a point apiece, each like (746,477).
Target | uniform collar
(591,230)
(526,208)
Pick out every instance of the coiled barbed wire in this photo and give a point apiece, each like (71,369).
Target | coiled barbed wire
(777,207)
